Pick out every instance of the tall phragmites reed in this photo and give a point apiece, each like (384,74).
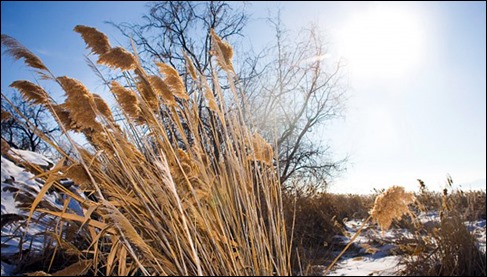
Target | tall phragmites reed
(175,189)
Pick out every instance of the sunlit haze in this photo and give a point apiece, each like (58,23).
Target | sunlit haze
(381,41)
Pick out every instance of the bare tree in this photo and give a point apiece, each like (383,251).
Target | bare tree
(288,93)
(172,27)
(18,134)
(299,92)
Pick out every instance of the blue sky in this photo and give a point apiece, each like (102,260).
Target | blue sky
(417,97)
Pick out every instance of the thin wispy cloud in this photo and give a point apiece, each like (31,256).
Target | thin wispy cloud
(45,52)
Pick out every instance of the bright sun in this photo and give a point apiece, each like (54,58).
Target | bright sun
(381,42)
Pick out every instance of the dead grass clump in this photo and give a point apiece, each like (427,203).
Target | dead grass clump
(352,206)
(470,204)
(447,248)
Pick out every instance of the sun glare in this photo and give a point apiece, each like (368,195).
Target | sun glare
(381,42)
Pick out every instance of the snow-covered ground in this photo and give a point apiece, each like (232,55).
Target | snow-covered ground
(19,187)
(477,228)
(376,253)
(372,254)
(367,266)
(31,157)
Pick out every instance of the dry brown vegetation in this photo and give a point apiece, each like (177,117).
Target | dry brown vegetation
(319,217)
(447,248)
(315,220)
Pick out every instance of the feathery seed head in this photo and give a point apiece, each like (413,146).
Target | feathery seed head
(31,92)
(94,39)
(18,51)
(262,150)
(162,89)
(211,98)
(118,58)
(190,67)
(390,205)
(64,116)
(223,52)
(103,108)
(6,115)
(78,174)
(147,93)
(80,103)
(127,99)
(173,80)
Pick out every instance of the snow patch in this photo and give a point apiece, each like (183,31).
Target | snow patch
(31,157)
(367,266)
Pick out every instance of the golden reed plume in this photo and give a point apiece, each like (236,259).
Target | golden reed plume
(96,40)
(162,89)
(6,115)
(127,99)
(173,80)
(223,52)
(31,92)
(80,103)
(190,67)
(118,58)
(18,51)
(390,205)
